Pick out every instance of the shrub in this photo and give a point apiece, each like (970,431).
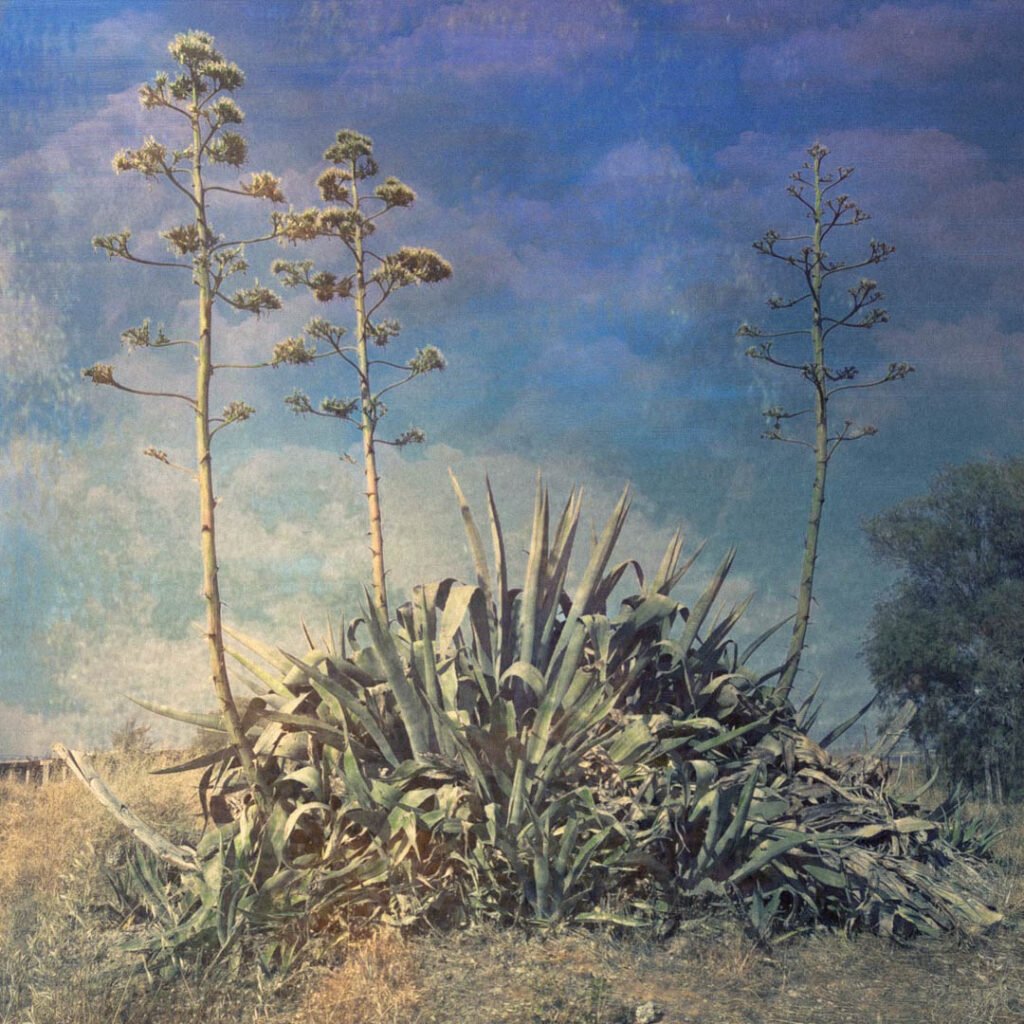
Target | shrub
(523,755)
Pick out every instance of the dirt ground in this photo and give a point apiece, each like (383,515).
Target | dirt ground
(713,974)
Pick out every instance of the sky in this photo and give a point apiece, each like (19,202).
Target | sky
(596,172)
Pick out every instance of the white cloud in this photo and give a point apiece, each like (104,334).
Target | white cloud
(569,251)
(904,46)
(130,34)
(487,39)
(34,377)
(652,168)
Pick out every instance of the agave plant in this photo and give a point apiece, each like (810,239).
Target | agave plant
(536,754)
(471,720)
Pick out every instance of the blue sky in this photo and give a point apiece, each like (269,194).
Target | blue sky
(596,173)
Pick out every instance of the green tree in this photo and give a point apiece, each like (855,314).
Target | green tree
(368,283)
(949,634)
(198,96)
(809,254)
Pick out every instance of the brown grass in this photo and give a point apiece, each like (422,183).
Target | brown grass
(55,844)
(56,839)
(711,973)
(60,961)
(379,980)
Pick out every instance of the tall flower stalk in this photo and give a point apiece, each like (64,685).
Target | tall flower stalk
(200,94)
(809,255)
(368,282)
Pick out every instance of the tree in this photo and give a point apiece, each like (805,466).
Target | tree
(373,279)
(809,254)
(199,93)
(949,635)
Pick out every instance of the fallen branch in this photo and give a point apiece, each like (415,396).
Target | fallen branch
(81,767)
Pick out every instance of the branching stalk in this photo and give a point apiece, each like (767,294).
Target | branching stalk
(812,188)
(371,282)
(203,75)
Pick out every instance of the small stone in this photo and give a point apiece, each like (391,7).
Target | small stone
(648,1013)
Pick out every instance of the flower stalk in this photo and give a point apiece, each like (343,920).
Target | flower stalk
(369,284)
(808,254)
(199,94)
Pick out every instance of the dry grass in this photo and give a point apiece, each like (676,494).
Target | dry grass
(712,973)
(60,961)
(379,980)
(55,839)
(56,944)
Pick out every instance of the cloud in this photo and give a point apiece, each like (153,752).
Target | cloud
(100,667)
(975,353)
(482,40)
(68,193)
(131,34)
(33,733)
(656,169)
(747,19)
(935,194)
(588,324)
(293,549)
(66,166)
(889,45)
(599,242)
(36,387)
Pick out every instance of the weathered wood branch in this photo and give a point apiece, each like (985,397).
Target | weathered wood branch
(82,768)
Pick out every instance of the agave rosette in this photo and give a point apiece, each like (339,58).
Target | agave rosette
(533,754)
